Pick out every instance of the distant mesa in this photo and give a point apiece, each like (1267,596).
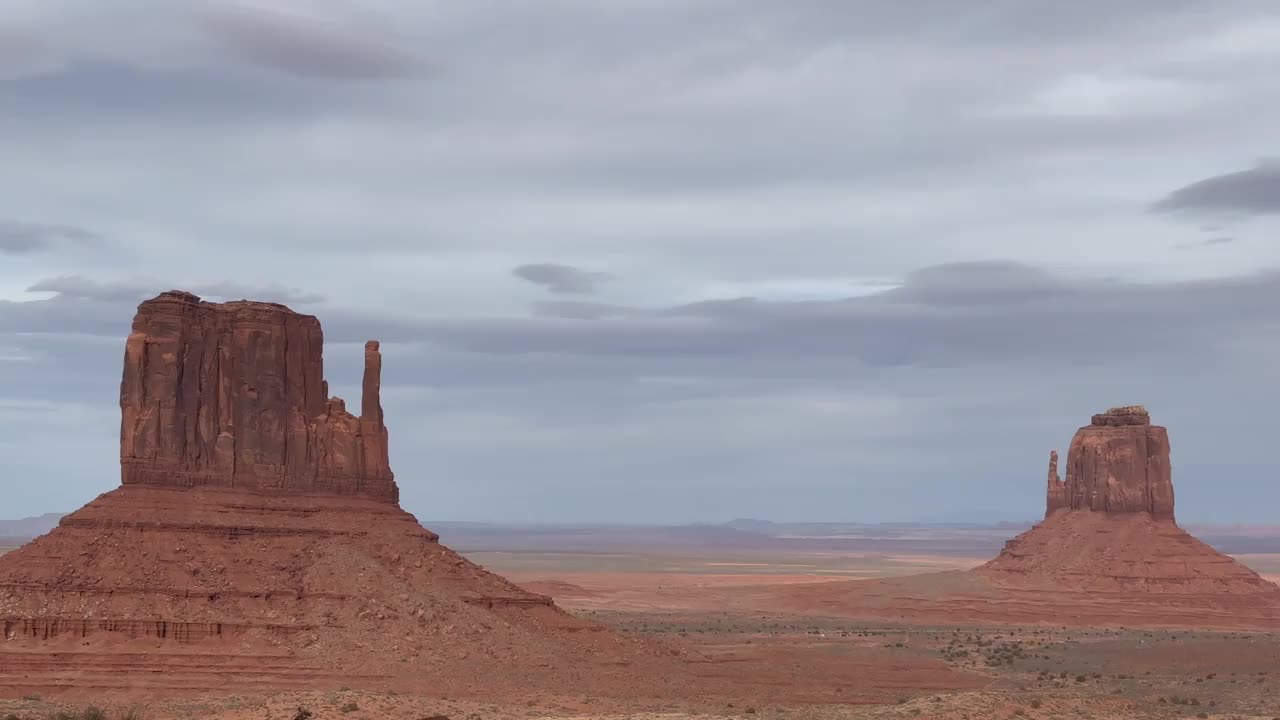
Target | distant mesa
(257,538)
(1108,553)
(1109,526)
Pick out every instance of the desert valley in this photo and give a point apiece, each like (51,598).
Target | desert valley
(255,563)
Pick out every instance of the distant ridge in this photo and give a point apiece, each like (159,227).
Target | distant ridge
(27,528)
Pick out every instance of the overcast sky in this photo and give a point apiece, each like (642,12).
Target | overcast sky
(667,260)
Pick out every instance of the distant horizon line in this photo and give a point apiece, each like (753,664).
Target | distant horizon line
(989,523)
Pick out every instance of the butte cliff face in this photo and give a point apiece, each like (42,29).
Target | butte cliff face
(1119,463)
(233,395)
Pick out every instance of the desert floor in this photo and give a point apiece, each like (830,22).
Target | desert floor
(875,670)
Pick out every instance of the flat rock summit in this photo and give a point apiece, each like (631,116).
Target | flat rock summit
(256,540)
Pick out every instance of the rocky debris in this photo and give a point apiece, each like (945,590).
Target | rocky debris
(1119,463)
(233,395)
(1120,416)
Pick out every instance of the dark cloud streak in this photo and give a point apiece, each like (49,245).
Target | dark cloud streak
(17,238)
(560,279)
(1249,192)
(307,47)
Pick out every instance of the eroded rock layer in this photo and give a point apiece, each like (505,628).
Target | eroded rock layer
(257,540)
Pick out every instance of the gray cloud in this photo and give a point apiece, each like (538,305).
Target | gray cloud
(580,310)
(1000,282)
(182,94)
(967,314)
(560,279)
(75,286)
(1209,242)
(1249,192)
(307,46)
(80,287)
(16,48)
(17,237)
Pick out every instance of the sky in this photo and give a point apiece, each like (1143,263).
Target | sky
(670,260)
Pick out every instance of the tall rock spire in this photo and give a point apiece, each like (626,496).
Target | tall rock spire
(371,398)
(1057,494)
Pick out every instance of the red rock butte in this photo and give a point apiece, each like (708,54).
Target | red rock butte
(1119,463)
(257,542)
(1108,553)
(233,395)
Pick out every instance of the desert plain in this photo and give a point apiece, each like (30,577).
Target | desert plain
(664,583)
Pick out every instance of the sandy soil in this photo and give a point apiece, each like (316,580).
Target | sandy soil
(864,671)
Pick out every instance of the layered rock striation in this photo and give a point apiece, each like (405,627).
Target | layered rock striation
(233,395)
(1119,463)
